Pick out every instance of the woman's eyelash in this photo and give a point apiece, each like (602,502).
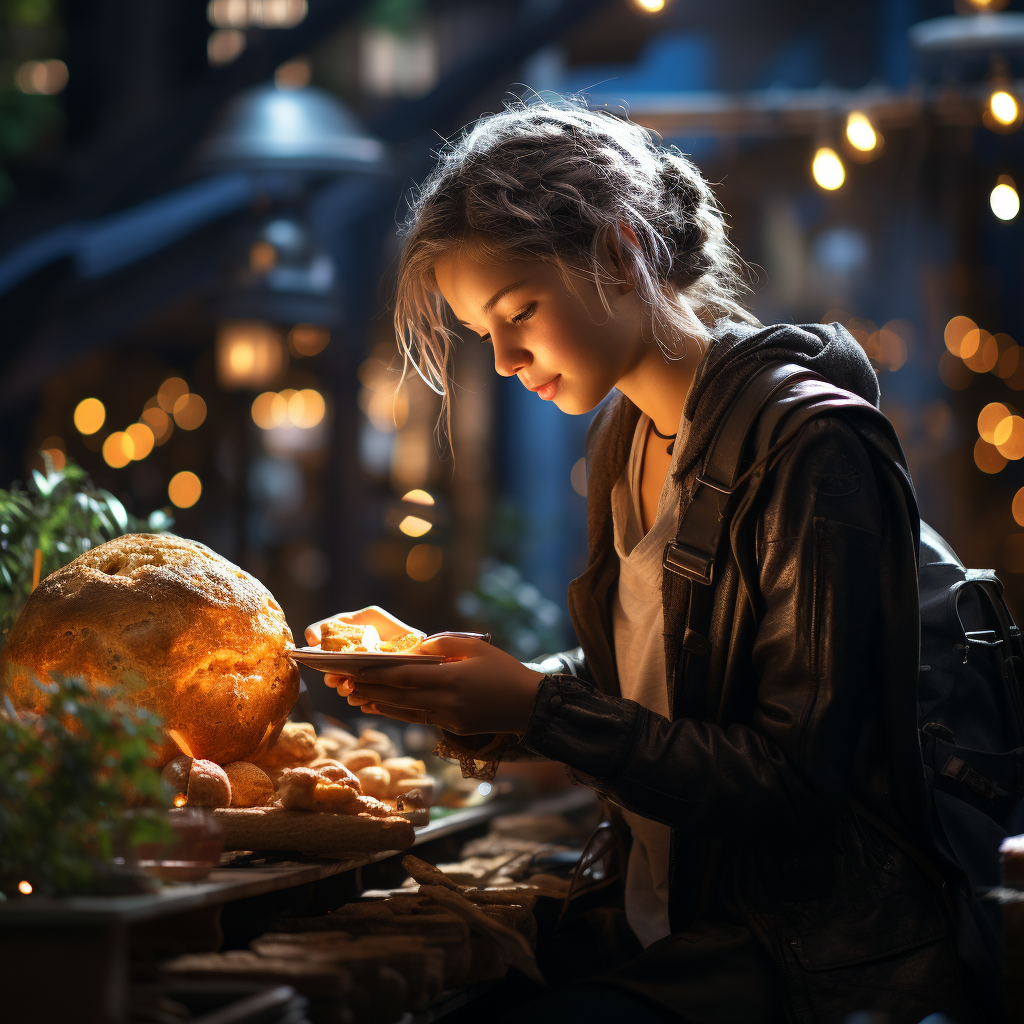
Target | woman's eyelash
(524,314)
(520,317)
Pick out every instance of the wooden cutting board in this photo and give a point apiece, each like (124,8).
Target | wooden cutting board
(319,832)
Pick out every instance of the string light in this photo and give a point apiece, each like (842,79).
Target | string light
(184,489)
(413,526)
(90,415)
(828,169)
(1004,200)
(860,133)
(1003,108)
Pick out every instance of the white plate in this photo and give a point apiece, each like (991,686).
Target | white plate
(336,661)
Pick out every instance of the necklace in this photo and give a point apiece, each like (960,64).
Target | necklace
(665,437)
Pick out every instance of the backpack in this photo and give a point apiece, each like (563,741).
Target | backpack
(970,720)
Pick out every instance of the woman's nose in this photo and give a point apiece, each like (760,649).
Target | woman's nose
(509,358)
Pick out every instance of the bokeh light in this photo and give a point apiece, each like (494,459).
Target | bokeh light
(189,411)
(41,77)
(306,408)
(424,562)
(1017,507)
(1009,438)
(262,257)
(413,526)
(1009,356)
(118,450)
(308,339)
(25,887)
(860,133)
(987,457)
(184,489)
(418,497)
(54,448)
(142,438)
(90,415)
(990,420)
(169,392)
(1004,200)
(650,6)
(249,354)
(956,331)
(269,410)
(158,421)
(1003,107)
(828,169)
(984,354)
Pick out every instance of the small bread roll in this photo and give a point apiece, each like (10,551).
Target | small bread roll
(374,739)
(424,783)
(339,773)
(208,785)
(250,784)
(376,781)
(403,768)
(405,763)
(295,746)
(358,759)
(176,771)
(334,742)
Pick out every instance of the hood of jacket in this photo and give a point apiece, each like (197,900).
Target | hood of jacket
(738,351)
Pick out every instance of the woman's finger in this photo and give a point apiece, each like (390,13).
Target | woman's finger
(456,647)
(411,677)
(419,697)
(414,715)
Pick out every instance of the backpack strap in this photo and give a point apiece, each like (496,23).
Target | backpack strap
(778,400)
(689,560)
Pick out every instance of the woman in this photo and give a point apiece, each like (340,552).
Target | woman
(596,263)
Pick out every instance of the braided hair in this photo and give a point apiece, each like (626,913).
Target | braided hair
(552,180)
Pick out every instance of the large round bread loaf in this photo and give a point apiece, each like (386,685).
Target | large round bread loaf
(204,640)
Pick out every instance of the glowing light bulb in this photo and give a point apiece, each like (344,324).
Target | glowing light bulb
(413,526)
(860,133)
(1004,200)
(650,6)
(828,169)
(1003,107)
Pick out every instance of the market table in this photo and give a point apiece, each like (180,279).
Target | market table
(68,959)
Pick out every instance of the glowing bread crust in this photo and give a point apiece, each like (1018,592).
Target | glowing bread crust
(205,640)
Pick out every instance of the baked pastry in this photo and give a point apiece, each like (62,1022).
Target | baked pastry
(208,640)
(305,789)
(356,760)
(343,638)
(296,745)
(250,785)
(375,781)
(208,785)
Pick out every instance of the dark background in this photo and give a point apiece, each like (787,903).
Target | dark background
(126,247)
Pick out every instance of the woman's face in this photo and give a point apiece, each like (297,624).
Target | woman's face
(560,342)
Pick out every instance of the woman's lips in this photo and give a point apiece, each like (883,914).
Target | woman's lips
(546,390)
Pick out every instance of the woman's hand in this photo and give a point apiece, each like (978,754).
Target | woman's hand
(485,691)
(384,622)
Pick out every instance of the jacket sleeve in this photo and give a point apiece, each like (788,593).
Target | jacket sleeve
(808,684)
(492,748)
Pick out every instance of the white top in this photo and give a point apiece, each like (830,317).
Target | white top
(638,623)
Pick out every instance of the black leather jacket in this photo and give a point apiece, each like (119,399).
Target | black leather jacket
(811,702)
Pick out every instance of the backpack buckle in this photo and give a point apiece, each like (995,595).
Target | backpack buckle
(683,560)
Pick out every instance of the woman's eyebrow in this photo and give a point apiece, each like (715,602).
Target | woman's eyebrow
(497,297)
(500,294)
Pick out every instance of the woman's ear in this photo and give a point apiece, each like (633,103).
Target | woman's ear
(613,251)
